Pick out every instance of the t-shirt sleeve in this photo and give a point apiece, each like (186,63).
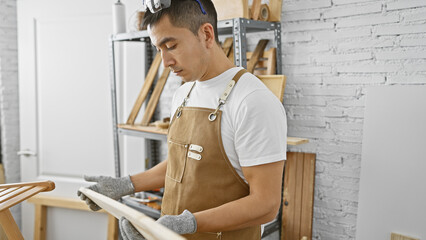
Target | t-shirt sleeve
(260,129)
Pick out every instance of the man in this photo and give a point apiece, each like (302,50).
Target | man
(226,143)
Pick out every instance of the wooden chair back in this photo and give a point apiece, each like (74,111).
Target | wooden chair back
(12,194)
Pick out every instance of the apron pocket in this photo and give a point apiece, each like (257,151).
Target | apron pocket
(176,160)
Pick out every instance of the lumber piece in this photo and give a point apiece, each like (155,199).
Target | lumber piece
(275,8)
(144,224)
(152,72)
(255,9)
(231,9)
(298,196)
(258,52)
(10,226)
(155,97)
(227,46)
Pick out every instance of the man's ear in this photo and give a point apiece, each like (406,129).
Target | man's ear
(207,32)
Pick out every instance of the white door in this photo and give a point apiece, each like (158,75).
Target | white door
(65,106)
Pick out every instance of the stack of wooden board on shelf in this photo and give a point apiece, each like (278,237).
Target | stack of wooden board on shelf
(144,125)
(240,9)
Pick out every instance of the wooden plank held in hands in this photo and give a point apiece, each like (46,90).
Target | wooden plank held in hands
(153,101)
(145,89)
(145,225)
(298,196)
(258,52)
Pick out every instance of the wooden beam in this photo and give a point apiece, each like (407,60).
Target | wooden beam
(227,46)
(255,9)
(9,225)
(275,8)
(149,79)
(155,97)
(40,222)
(258,52)
(298,196)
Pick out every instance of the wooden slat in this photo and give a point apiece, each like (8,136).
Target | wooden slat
(396,236)
(145,225)
(289,197)
(271,66)
(40,222)
(297,218)
(275,8)
(296,141)
(231,9)
(153,101)
(7,191)
(298,196)
(307,195)
(231,55)
(275,83)
(258,52)
(49,185)
(255,9)
(227,46)
(12,202)
(14,193)
(112,228)
(9,225)
(152,72)
(266,65)
(60,202)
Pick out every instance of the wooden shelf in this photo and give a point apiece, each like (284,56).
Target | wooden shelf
(152,132)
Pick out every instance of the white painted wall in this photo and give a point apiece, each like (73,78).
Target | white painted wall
(392,190)
(333,50)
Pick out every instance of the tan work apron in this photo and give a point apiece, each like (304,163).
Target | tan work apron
(199,174)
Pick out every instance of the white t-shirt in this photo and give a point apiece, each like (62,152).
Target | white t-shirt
(254,124)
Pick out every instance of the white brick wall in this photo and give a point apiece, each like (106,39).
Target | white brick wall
(9,100)
(332,51)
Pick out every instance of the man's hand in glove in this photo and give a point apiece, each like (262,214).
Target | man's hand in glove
(128,232)
(113,188)
(181,224)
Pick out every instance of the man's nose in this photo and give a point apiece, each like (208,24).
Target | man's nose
(167,59)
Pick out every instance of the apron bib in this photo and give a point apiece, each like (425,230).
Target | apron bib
(199,175)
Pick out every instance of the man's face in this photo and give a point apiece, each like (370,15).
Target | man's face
(181,51)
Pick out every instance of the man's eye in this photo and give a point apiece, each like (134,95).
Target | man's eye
(171,47)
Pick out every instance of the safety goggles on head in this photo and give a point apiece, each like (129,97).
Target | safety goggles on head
(157,5)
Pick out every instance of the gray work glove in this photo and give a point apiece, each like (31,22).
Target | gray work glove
(113,188)
(182,224)
(128,232)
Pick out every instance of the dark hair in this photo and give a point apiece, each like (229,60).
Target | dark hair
(187,14)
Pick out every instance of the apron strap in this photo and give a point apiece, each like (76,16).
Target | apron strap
(226,93)
(185,100)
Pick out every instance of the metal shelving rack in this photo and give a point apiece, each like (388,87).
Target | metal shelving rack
(238,28)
